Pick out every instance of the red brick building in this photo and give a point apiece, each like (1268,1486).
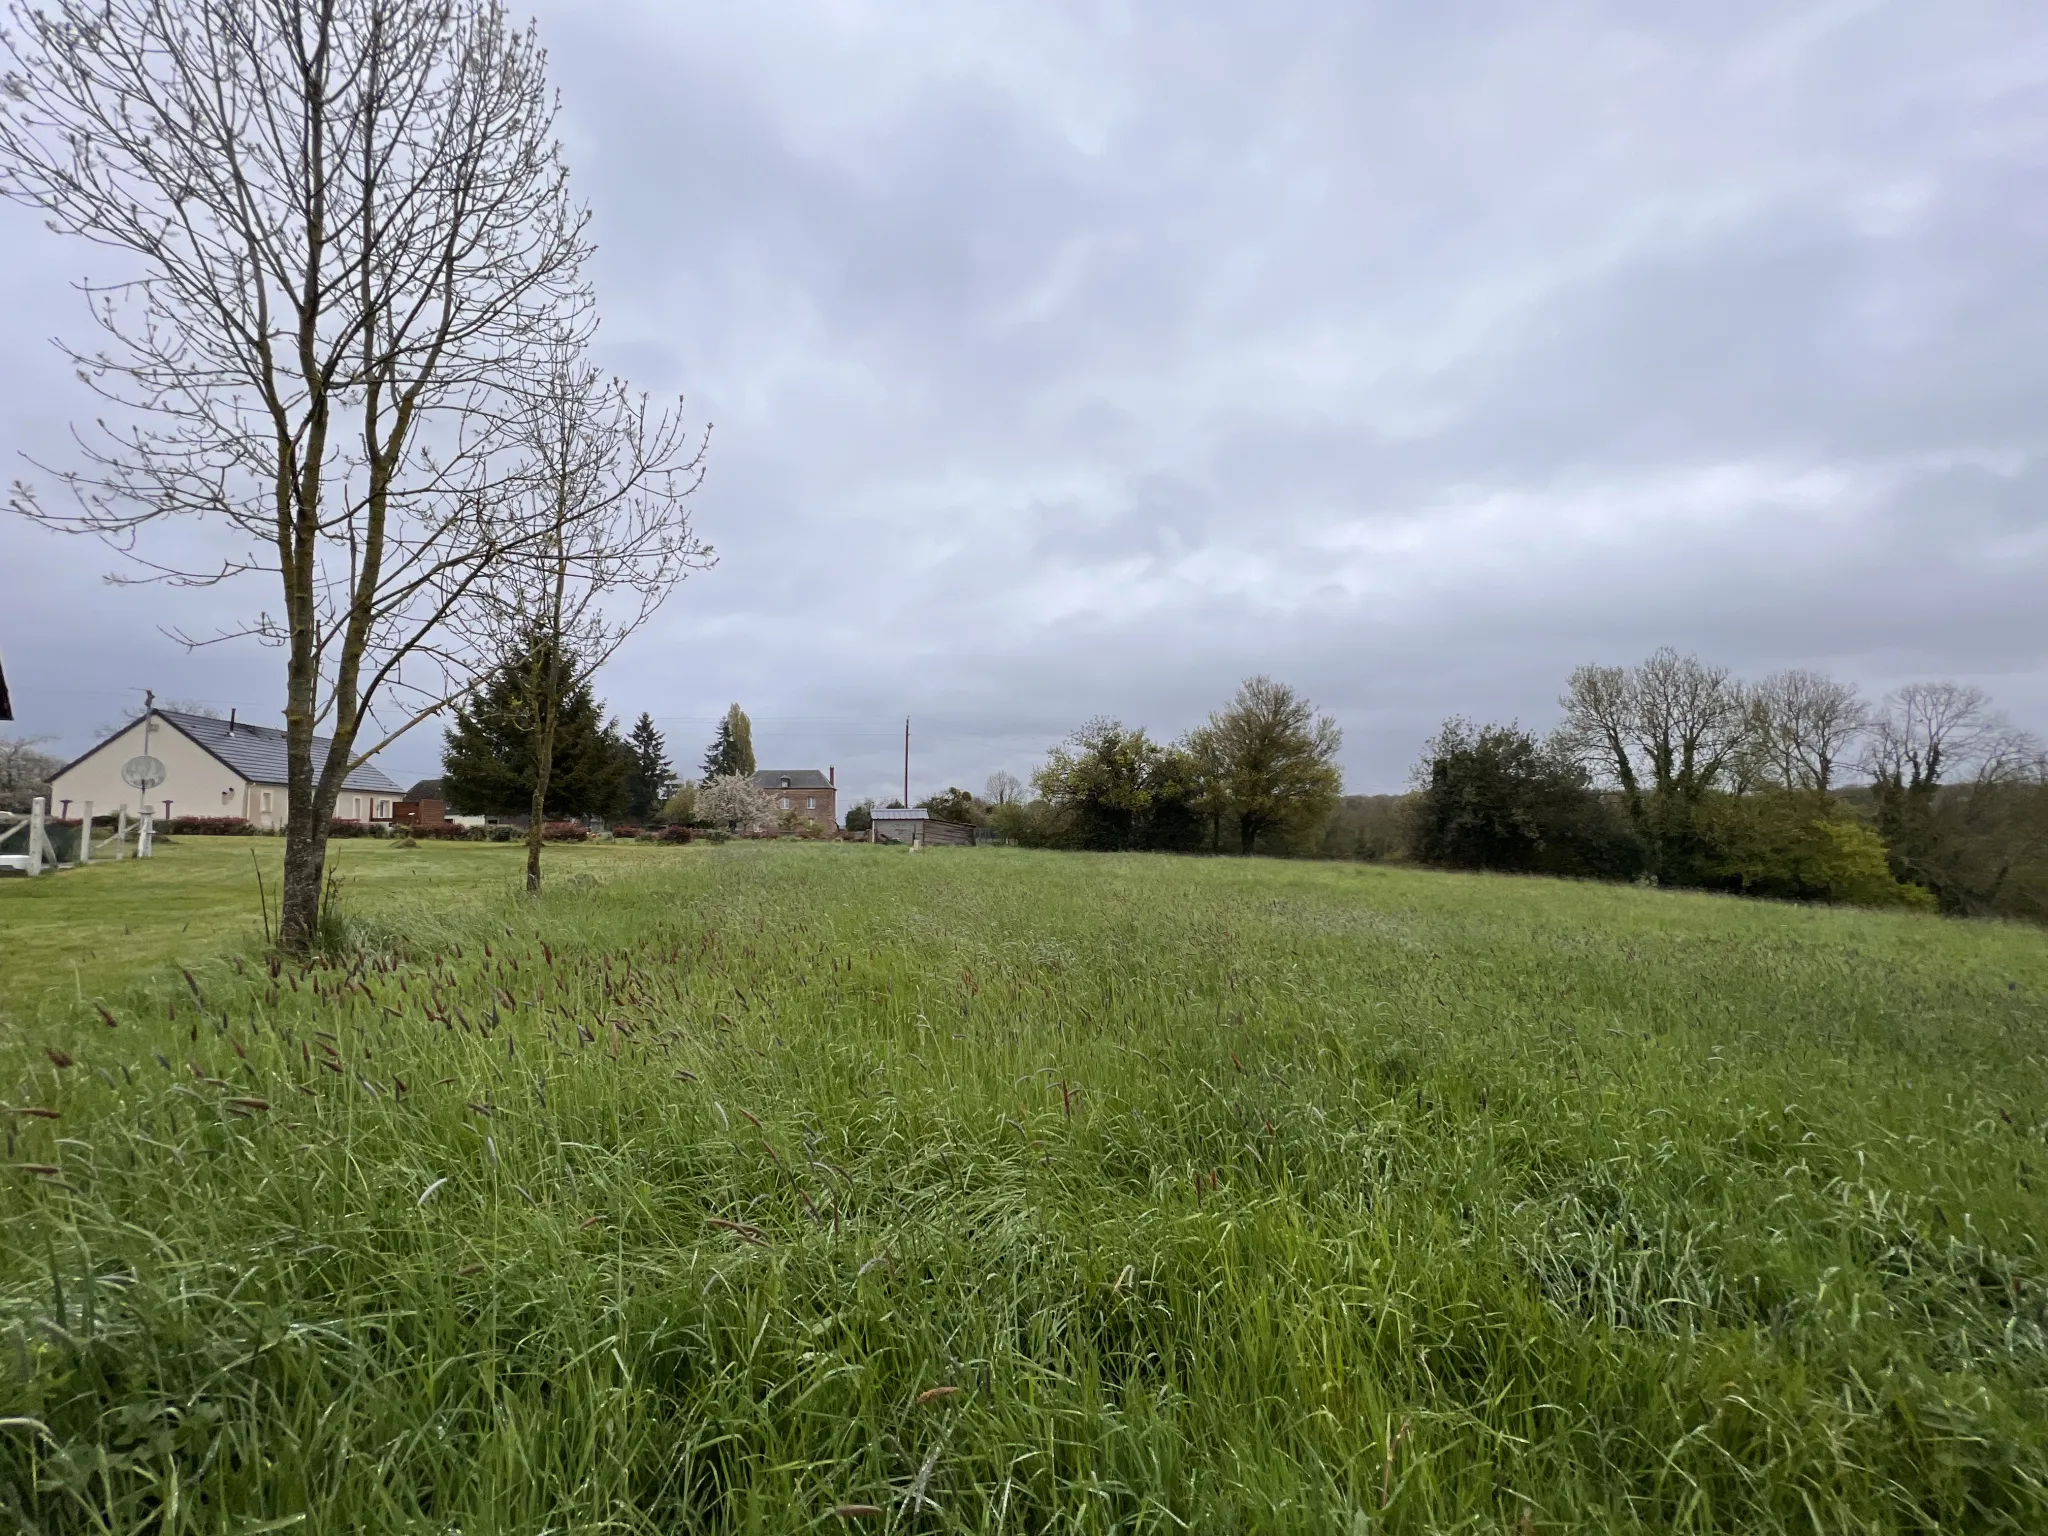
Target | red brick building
(804,791)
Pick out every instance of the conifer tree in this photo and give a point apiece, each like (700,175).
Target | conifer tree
(652,778)
(488,754)
(732,750)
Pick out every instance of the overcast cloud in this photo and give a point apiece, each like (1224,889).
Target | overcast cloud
(1075,358)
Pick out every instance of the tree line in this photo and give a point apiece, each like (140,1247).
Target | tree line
(494,762)
(1675,771)
(1258,776)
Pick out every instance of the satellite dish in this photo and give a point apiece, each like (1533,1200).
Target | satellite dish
(143,772)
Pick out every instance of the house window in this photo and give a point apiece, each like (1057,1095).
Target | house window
(811,804)
(355,803)
(381,810)
(264,804)
(783,802)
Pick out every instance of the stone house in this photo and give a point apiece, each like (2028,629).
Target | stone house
(804,791)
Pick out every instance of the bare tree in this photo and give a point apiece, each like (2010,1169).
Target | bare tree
(1664,733)
(342,226)
(1599,729)
(1962,798)
(1803,726)
(604,536)
(25,771)
(1925,731)
(1003,788)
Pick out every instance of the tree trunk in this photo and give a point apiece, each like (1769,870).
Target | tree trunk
(305,866)
(543,765)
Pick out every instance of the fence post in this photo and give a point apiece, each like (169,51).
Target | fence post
(144,844)
(121,832)
(85,836)
(35,836)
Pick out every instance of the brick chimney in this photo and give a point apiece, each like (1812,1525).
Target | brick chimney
(832,777)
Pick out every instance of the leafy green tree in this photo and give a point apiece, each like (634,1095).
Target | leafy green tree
(1101,782)
(652,779)
(732,750)
(1373,828)
(860,816)
(680,809)
(488,755)
(956,805)
(1800,845)
(1493,797)
(1267,764)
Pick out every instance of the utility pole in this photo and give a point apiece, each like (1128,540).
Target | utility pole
(906,762)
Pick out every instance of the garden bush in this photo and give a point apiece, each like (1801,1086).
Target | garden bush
(207,826)
(565,832)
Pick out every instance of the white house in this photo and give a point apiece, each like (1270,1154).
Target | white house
(211,768)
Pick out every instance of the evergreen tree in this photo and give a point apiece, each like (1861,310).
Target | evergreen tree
(652,779)
(1493,797)
(488,758)
(732,751)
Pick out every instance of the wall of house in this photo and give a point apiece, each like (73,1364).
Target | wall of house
(265,805)
(819,805)
(197,782)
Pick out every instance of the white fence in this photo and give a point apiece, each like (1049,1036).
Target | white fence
(35,852)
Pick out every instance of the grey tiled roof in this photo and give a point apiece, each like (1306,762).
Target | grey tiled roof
(426,789)
(256,752)
(791,778)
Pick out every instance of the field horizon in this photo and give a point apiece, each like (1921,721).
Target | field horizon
(787,1186)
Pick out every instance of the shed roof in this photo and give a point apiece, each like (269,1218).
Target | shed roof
(791,778)
(256,752)
(898,813)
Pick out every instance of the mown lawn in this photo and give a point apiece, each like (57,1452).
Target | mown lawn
(790,1187)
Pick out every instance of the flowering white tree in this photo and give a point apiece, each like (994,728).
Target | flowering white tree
(731,801)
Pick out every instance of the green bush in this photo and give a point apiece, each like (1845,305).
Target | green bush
(1801,845)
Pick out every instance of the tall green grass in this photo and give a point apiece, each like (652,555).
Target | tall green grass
(798,1187)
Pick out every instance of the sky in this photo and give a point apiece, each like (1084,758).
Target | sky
(1070,359)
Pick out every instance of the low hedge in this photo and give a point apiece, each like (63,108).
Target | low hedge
(209,826)
(565,832)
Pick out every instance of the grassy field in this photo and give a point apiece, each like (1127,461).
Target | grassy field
(818,1187)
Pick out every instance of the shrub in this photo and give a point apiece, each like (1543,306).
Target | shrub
(1493,797)
(445,832)
(674,834)
(503,834)
(1804,845)
(717,835)
(205,826)
(628,833)
(682,805)
(565,832)
(339,828)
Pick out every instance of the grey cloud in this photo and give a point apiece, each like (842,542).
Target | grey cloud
(1085,358)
